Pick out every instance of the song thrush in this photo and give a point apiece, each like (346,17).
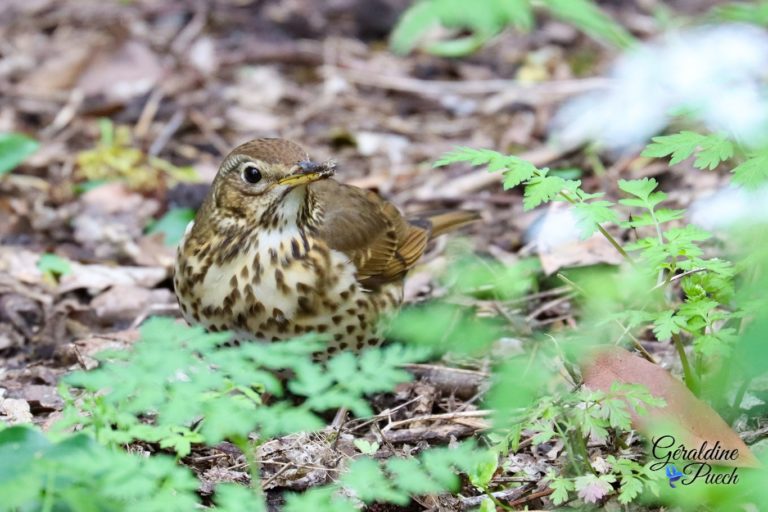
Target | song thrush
(279,249)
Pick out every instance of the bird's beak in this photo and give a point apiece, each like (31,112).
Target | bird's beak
(307,172)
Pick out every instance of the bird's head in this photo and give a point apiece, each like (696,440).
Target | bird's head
(264,181)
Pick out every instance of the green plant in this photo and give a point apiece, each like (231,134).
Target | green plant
(78,473)
(745,12)
(180,387)
(487,18)
(194,375)
(433,471)
(575,418)
(172,225)
(670,287)
(666,255)
(53,266)
(14,149)
(115,158)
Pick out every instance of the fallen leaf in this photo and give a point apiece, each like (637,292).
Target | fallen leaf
(61,60)
(154,252)
(695,421)
(130,70)
(42,397)
(111,219)
(96,278)
(14,411)
(20,264)
(126,302)
(87,348)
(591,251)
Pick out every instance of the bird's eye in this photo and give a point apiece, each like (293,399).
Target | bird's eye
(251,174)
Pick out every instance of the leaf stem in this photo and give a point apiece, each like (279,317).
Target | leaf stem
(249,450)
(690,378)
(602,230)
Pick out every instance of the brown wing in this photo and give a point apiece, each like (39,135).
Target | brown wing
(370,231)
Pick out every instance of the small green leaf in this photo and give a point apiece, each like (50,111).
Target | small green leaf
(482,473)
(589,18)
(590,215)
(639,188)
(173,224)
(667,324)
(711,149)
(561,486)
(14,149)
(752,172)
(540,189)
(366,447)
(518,173)
(54,265)
(487,505)
(630,489)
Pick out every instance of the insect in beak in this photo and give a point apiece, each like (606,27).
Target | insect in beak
(307,172)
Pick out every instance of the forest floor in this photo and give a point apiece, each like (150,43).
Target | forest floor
(181,83)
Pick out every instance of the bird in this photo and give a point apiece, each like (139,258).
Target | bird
(279,249)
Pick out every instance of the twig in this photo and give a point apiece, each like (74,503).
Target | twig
(191,30)
(457,381)
(539,295)
(506,494)
(441,434)
(202,122)
(279,472)
(678,277)
(154,308)
(548,305)
(521,92)
(531,497)
(754,435)
(65,115)
(167,132)
(148,113)
(441,417)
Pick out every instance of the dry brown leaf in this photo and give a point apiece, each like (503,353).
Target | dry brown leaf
(126,302)
(66,56)
(130,70)
(20,265)
(591,251)
(96,278)
(14,411)
(89,347)
(695,421)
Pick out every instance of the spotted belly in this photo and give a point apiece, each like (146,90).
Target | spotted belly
(279,287)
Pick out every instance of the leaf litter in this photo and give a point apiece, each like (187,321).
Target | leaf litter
(181,84)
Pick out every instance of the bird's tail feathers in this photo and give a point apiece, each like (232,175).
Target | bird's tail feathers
(438,223)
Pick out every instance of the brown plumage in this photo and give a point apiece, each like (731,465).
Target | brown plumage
(280,249)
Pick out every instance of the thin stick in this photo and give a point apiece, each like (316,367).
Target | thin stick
(442,417)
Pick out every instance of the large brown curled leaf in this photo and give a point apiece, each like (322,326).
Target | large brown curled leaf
(694,421)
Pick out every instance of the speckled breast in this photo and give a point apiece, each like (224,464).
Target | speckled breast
(278,285)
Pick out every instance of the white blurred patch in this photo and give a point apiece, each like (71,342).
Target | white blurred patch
(715,72)
(730,207)
(555,227)
(554,237)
